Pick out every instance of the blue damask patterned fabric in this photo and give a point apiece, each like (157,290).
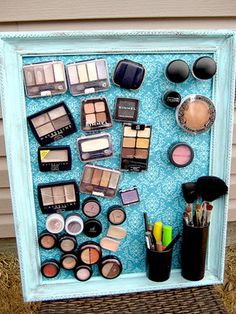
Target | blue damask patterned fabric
(160,186)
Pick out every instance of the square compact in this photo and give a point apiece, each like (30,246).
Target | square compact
(87,77)
(95,114)
(129,196)
(52,124)
(129,74)
(135,147)
(126,109)
(99,181)
(94,147)
(58,196)
(54,158)
(44,79)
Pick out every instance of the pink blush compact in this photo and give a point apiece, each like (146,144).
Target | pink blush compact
(180,154)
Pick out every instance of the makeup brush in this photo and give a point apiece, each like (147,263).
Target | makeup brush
(190,195)
(208,213)
(198,214)
(211,188)
(186,219)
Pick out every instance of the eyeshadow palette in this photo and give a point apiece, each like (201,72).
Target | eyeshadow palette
(52,124)
(135,147)
(129,196)
(44,79)
(129,74)
(87,77)
(126,109)
(58,196)
(54,158)
(99,181)
(94,147)
(95,114)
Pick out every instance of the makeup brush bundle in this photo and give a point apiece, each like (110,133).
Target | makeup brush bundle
(204,191)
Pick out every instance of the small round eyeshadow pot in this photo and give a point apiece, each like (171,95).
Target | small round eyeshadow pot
(74,224)
(204,68)
(171,99)
(83,272)
(50,268)
(90,253)
(91,207)
(116,215)
(55,223)
(92,228)
(67,243)
(180,154)
(110,267)
(47,240)
(177,71)
(196,114)
(68,261)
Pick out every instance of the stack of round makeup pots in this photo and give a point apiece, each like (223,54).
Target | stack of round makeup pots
(60,200)
(61,233)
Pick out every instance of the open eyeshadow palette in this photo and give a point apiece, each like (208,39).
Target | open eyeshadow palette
(112,146)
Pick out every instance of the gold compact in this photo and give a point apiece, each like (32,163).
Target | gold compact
(196,114)
(88,77)
(135,147)
(44,79)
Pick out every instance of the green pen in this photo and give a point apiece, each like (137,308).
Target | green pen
(167,235)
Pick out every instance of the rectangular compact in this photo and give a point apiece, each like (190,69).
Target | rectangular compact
(94,147)
(129,196)
(126,109)
(45,79)
(58,196)
(99,181)
(87,77)
(52,123)
(95,114)
(54,158)
(135,147)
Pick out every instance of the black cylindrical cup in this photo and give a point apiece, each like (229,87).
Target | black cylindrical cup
(194,252)
(158,265)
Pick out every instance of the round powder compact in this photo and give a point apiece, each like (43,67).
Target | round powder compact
(50,268)
(92,228)
(177,71)
(67,243)
(171,99)
(204,68)
(91,207)
(74,224)
(116,215)
(55,223)
(90,252)
(69,261)
(180,154)
(83,272)
(196,114)
(47,240)
(110,267)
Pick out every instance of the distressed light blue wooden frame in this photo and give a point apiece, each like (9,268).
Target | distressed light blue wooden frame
(13,46)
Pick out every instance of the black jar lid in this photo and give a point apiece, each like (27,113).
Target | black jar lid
(69,261)
(180,154)
(92,228)
(204,68)
(177,71)
(172,99)
(67,243)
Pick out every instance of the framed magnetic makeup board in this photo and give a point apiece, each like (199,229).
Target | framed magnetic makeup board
(159,185)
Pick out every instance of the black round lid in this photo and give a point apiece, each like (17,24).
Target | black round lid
(177,71)
(50,268)
(47,240)
(67,243)
(92,228)
(116,215)
(83,276)
(204,68)
(172,99)
(91,207)
(180,159)
(116,269)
